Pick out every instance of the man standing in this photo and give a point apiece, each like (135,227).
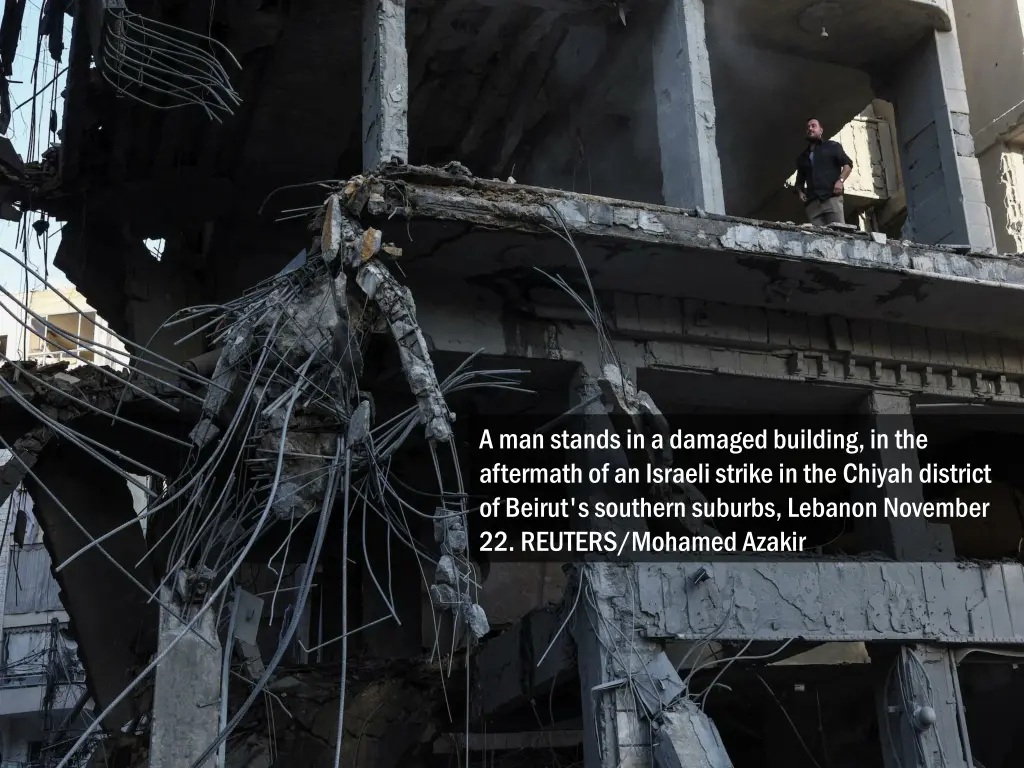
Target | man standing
(821,170)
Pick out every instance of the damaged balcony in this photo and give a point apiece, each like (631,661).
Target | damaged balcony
(651,103)
(711,112)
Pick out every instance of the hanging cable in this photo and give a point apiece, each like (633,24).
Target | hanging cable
(155,64)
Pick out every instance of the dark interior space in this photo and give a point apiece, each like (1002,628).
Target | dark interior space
(991,681)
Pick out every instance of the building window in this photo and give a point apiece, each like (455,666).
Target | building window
(49,342)
(3,345)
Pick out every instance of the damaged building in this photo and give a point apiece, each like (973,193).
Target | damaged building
(383,219)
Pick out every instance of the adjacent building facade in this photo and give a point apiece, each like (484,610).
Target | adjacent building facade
(42,682)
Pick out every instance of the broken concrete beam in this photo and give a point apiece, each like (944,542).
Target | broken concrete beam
(385,83)
(687,738)
(507,208)
(396,305)
(112,620)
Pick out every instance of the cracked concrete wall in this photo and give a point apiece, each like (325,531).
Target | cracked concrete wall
(1002,175)
(611,145)
(1011,212)
(646,129)
(991,39)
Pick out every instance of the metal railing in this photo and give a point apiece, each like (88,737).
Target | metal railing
(24,680)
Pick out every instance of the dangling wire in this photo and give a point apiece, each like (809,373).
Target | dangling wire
(154,64)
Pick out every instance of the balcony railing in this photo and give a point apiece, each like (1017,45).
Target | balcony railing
(25,680)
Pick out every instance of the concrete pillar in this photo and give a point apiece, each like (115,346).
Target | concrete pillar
(186,695)
(921,712)
(614,733)
(903,539)
(594,418)
(385,83)
(685,104)
(945,196)
(634,711)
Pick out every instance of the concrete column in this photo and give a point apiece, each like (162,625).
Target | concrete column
(945,197)
(593,417)
(385,83)
(186,695)
(634,711)
(909,540)
(685,104)
(921,712)
(613,729)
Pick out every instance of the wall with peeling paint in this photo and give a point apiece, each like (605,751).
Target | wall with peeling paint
(992,47)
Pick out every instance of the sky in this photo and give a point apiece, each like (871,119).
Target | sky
(20,132)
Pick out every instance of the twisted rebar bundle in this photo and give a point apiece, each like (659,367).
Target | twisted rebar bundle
(152,63)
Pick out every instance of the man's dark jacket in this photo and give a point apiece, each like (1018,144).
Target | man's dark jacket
(818,179)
